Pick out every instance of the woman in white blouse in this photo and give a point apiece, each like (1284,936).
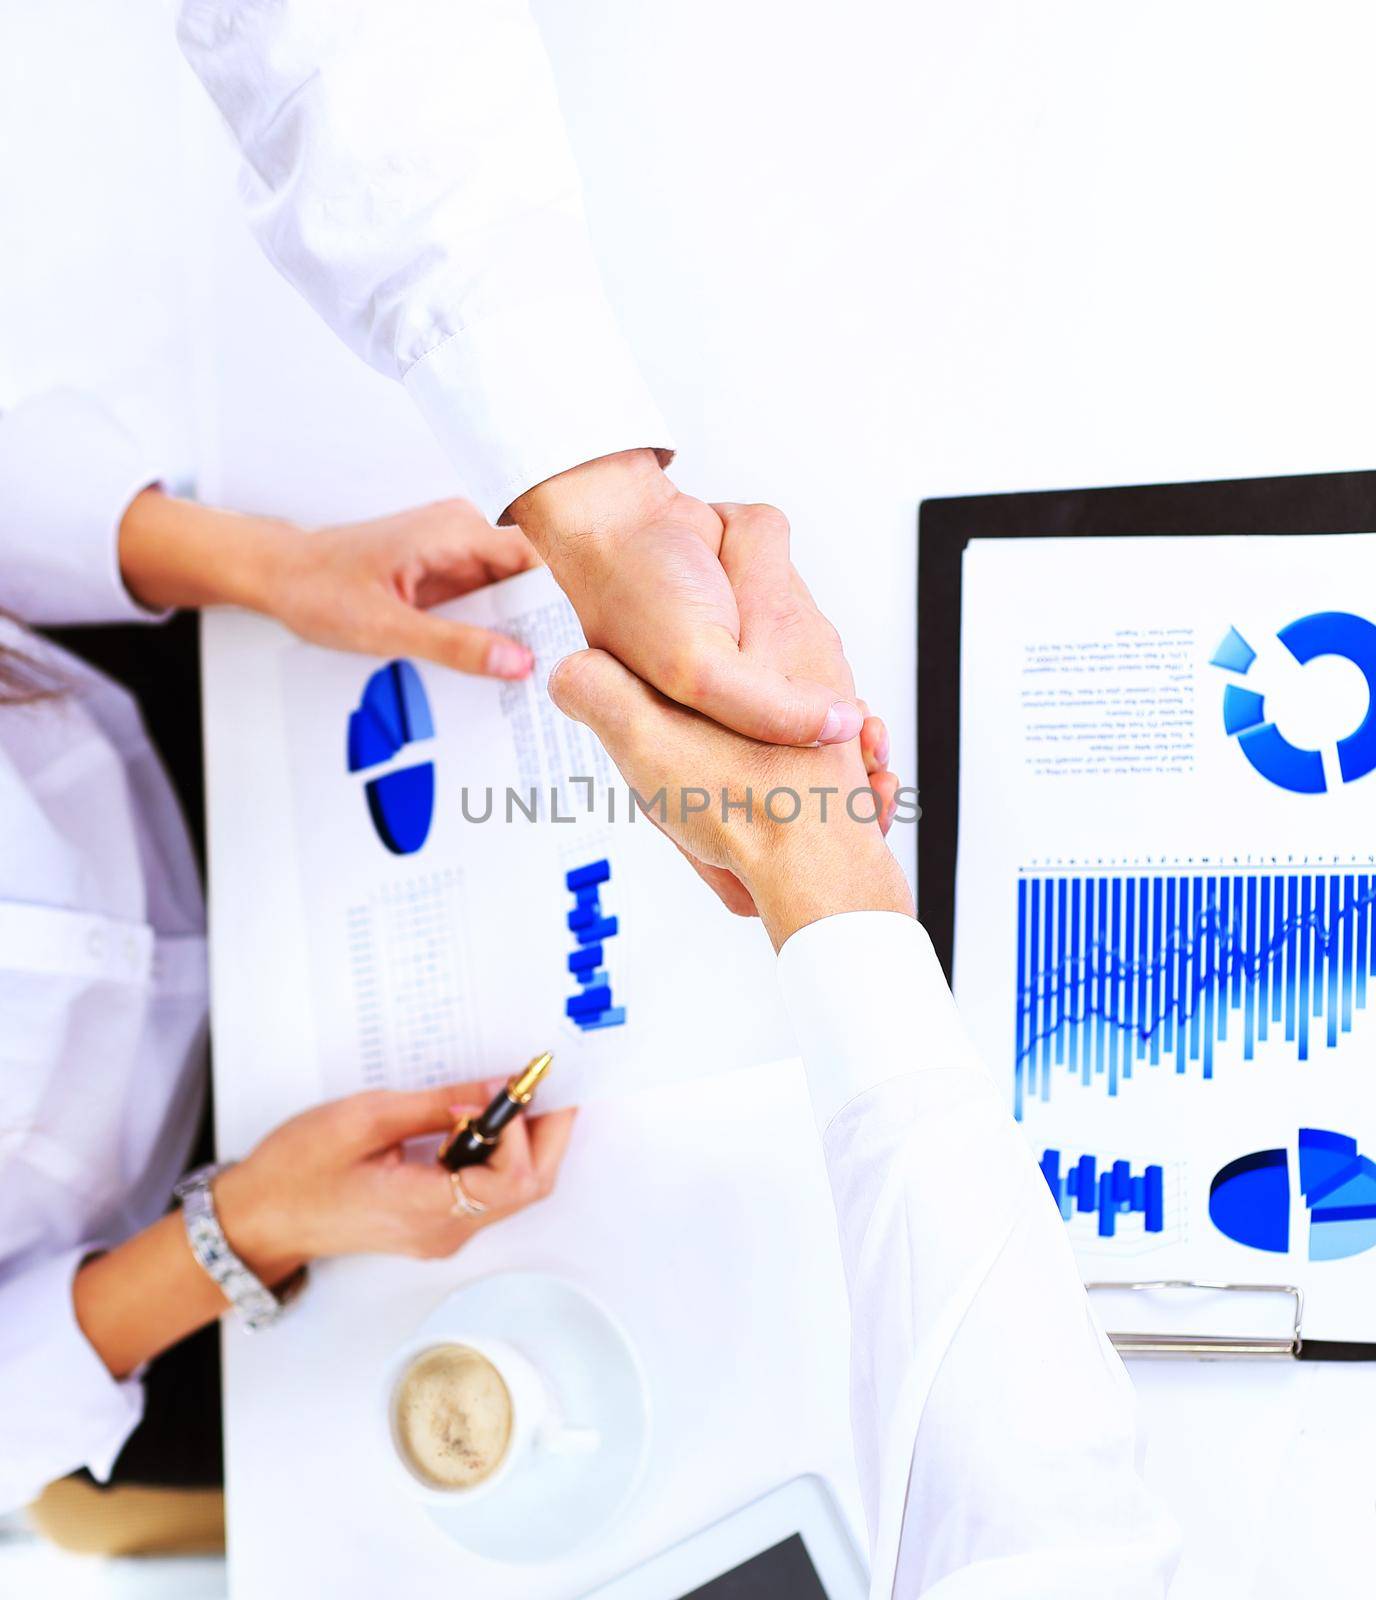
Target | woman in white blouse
(102,948)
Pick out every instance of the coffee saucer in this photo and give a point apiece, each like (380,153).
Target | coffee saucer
(551,1503)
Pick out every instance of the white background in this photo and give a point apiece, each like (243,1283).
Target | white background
(867,254)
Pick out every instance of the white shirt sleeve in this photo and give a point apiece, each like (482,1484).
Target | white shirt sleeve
(61,1408)
(406,168)
(68,471)
(994,1423)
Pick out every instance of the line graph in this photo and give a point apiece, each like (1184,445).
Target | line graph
(1119,970)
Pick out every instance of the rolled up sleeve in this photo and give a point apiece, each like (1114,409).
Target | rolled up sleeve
(68,472)
(59,1407)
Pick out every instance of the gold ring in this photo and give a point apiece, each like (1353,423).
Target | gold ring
(464,1203)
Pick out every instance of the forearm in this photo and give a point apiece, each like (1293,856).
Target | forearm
(175,553)
(809,872)
(596,500)
(149,1293)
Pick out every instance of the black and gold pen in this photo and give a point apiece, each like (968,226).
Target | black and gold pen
(473,1139)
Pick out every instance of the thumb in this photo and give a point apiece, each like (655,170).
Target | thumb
(763,703)
(594,688)
(388,1116)
(464,648)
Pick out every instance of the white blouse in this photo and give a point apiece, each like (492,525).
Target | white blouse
(102,950)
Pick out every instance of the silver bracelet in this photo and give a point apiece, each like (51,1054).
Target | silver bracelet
(256,1305)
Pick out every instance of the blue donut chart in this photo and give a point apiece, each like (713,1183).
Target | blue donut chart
(394,711)
(1352,638)
(1288,766)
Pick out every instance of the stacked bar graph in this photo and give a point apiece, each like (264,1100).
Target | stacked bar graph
(1110,1192)
(1120,972)
(591,1006)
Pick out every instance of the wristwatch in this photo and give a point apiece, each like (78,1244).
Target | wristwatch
(257,1306)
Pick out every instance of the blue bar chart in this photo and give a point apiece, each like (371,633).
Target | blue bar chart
(591,1007)
(1108,1190)
(1120,972)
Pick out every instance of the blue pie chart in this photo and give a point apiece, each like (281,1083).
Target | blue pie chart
(394,712)
(1249,1198)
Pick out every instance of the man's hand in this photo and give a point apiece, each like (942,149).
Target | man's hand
(819,848)
(829,857)
(658,581)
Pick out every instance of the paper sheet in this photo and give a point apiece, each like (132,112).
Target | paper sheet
(453,957)
(1166,930)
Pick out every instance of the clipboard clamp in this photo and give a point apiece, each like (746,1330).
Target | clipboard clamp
(1215,1346)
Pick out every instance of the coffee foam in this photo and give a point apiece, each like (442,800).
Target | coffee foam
(453,1416)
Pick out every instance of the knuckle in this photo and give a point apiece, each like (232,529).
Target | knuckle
(767,521)
(359,1114)
(779,722)
(692,674)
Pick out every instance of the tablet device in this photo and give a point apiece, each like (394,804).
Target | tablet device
(791,1544)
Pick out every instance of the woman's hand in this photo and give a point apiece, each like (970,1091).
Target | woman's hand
(335,1180)
(330,1182)
(365,586)
(369,585)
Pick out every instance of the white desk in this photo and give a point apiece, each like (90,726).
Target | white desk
(712,1239)
(716,1246)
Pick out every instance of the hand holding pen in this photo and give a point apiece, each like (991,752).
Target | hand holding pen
(337,1180)
(498,1138)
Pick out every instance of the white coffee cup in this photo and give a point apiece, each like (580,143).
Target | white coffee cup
(535,1428)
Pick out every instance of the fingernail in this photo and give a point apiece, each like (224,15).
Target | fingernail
(554,673)
(843,722)
(507,659)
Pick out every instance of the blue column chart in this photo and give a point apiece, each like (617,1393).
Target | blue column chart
(591,1006)
(393,713)
(1109,1192)
(1124,971)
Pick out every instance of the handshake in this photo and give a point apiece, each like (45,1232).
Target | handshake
(713,673)
(711,670)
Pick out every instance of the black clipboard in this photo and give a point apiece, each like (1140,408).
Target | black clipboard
(1329,502)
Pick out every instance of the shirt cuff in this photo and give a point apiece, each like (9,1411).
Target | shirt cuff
(532,391)
(869,1002)
(62,1409)
(68,471)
